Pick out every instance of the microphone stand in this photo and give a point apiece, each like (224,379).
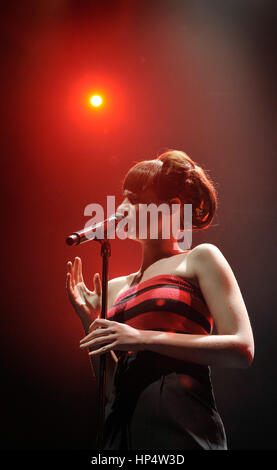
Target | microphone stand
(105,253)
(75,239)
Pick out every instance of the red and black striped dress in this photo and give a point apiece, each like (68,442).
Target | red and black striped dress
(159,402)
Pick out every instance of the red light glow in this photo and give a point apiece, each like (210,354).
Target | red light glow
(96,100)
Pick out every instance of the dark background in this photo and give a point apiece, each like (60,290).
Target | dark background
(197,76)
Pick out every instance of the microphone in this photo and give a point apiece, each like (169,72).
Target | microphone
(88,233)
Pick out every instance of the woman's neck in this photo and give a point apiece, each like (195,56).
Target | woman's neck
(154,250)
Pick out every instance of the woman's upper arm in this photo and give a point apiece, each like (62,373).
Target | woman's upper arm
(222,293)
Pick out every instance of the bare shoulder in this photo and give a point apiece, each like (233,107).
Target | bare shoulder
(204,248)
(117,282)
(205,251)
(115,285)
(207,256)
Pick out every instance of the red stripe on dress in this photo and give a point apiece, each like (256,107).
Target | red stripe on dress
(166,320)
(168,278)
(165,292)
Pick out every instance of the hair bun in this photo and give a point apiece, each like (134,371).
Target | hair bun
(178,176)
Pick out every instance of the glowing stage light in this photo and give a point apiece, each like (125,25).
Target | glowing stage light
(96,100)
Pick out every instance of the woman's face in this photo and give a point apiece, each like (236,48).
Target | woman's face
(146,222)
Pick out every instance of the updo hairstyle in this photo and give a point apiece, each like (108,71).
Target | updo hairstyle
(174,174)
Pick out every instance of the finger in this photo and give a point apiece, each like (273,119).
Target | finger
(69,287)
(68,281)
(97,284)
(96,333)
(70,270)
(102,350)
(96,325)
(75,271)
(79,270)
(69,266)
(98,341)
(100,322)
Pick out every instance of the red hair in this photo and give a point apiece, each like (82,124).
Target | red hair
(175,174)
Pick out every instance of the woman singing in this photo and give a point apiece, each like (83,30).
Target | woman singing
(157,335)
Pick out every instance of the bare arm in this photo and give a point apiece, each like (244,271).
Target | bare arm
(233,345)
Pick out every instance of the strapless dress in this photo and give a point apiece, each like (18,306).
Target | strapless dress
(159,402)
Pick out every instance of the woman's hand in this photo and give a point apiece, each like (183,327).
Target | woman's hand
(87,304)
(105,335)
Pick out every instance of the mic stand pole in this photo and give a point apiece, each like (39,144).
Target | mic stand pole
(105,253)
